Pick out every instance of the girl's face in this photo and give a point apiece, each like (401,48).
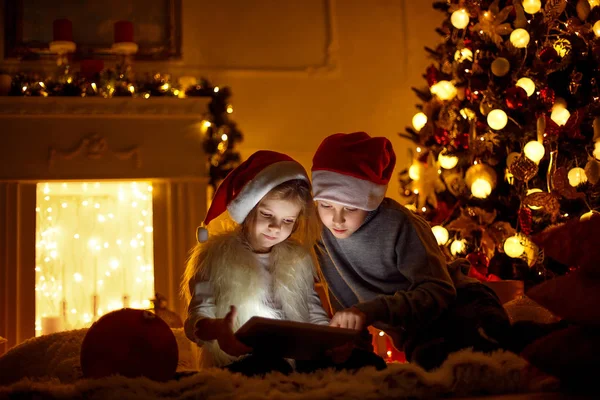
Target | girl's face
(341,220)
(275,220)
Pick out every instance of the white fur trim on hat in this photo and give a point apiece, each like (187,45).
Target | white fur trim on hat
(266,180)
(347,190)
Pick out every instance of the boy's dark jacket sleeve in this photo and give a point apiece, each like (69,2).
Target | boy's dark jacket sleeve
(420,260)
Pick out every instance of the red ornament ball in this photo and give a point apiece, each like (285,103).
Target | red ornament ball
(548,56)
(547,96)
(131,343)
(441,136)
(479,261)
(515,97)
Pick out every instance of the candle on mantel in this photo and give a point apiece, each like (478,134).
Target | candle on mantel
(62,30)
(123,32)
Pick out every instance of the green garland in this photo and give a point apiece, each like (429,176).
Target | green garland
(221,136)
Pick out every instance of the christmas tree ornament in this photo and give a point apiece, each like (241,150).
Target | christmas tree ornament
(596,152)
(525,220)
(513,246)
(532,6)
(563,47)
(479,261)
(131,343)
(596,28)
(444,90)
(441,234)
(463,55)
(548,56)
(497,119)
(460,19)
(419,121)
(583,9)
(500,66)
(534,151)
(577,176)
(523,168)
(516,97)
(461,141)
(441,137)
(547,97)
(481,179)
(532,191)
(458,247)
(589,215)
(575,82)
(432,75)
(447,161)
(527,84)
(560,115)
(519,38)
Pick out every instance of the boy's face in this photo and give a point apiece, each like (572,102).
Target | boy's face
(341,220)
(275,221)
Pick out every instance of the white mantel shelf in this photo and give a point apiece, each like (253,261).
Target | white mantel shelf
(116,107)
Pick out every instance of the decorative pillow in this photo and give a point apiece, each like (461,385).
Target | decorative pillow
(574,297)
(570,354)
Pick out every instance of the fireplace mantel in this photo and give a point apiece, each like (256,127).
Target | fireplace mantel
(116,107)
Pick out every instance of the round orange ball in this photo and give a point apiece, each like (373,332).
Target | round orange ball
(131,343)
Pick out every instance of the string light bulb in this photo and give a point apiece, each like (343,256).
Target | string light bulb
(458,247)
(460,19)
(441,234)
(577,176)
(560,115)
(419,121)
(497,119)
(444,90)
(527,84)
(519,38)
(596,152)
(481,179)
(596,28)
(447,161)
(534,151)
(463,54)
(532,6)
(588,215)
(513,247)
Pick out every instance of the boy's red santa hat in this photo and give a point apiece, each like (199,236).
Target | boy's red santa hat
(244,187)
(353,169)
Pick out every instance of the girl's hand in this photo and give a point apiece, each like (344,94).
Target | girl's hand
(221,330)
(227,340)
(350,318)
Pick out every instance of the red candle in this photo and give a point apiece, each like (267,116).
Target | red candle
(123,31)
(62,30)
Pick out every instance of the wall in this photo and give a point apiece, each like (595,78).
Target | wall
(380,55)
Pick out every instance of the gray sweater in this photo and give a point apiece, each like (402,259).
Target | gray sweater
(391,268)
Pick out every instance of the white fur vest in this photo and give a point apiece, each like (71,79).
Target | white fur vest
(237,278)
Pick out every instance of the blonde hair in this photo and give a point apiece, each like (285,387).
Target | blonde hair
(306,228)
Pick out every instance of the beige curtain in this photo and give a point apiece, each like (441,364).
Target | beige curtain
(17,262)
(178,208)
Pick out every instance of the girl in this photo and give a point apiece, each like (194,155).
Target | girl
(255,269)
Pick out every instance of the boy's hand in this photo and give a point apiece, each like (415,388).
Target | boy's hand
(222,331)
(350,318)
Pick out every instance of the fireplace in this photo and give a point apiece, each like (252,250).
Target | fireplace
(99,201)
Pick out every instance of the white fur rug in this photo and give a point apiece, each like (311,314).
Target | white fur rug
(48,367)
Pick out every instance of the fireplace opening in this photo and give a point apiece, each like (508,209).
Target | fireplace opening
(94,251)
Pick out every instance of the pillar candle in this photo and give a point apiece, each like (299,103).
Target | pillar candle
(62,30)
(123,31)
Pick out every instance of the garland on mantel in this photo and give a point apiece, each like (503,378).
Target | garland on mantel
(220,132)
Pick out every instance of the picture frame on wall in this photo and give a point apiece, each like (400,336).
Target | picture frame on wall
(156,27)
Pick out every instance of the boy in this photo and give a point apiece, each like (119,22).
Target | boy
(381,262)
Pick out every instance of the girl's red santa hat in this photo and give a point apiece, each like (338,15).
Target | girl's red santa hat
(353,169)
(245,186)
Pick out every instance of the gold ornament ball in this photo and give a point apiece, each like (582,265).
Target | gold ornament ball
(419,121)
(444,90)
(560,115)
(528,85)
(500,66)
(458,247)
(441,234)
(535,151)
(447,162)
(497,119)
(460,19)
(532,6)
(519,38)
(596,28)
(588,215)
(463,54)
(513,247)
(577,176)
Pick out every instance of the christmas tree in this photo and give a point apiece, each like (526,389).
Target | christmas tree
(508,132)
